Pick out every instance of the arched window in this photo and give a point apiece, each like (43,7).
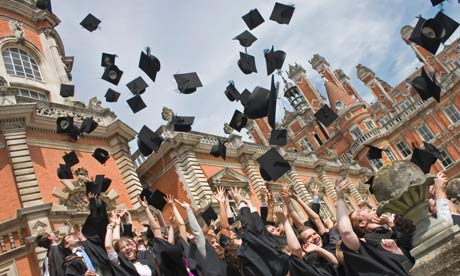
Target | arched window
(20,63)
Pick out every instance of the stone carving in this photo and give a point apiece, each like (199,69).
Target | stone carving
(228,129)
(95,104)
(3,83)
(51,111)
(167,114)
(18,31)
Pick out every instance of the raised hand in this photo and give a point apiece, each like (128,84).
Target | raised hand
(311,248)
(440,182)
(280,213)
(340,186)
(390,245)
(184,204)
(236,194)
(315,190)
(383,219)
(172,219)
(143,202)
(91,195)
(286,187)
(219,195)
(114,217)
(169,199)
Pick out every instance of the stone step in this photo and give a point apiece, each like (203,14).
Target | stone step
(24,171)
(28,177)
(23,165)
(16,142)
(19,153)
(27,184)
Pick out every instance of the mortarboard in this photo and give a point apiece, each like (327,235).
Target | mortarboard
(423,159)
(187,83)
(44,4)
(271,108)
(244,97)
(90,22)
(64,125)
(370,181)
(325,115)
(64,172)
(149,64)
(71,159)
(111,96)
(136,103)
(257,104)
(100,185)
(101,155)
(231,92)
(272,165)
(282,13)
(253,19)
(238,121)
(418,37)
(278,137)
(247,63)
(88,125)
(246,39)
(112,74)
(148,141)
(209,215)
(432,149)
(425,87)
(182,123)
(219,150)
(446,25)
(67,90)
(156,199)
(274,59)
(137,86)
(436,2)
(107,59)
(374,152)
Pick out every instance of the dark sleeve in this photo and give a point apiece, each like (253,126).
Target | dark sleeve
(127,230)
(56,260)
(334,238)
(95,225)
(251,221)
(264,213)
(316,207)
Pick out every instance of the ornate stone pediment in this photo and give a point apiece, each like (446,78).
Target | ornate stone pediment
(228,177)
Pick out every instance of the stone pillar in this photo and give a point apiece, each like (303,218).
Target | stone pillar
(252,171)
(57,58)
(119,150)
(328,183)
(192,176)
(299,187)
(352,188)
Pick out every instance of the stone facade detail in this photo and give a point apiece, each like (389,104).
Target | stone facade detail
(299,187)
(252,171)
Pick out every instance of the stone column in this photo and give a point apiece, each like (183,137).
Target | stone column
(252,171)
(57,58)
(192,176)
(328,183)
(352,188)
(119,150)
(299,187)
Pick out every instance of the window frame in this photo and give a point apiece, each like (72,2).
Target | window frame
(353,134)
(20,63)
(404,149)
(428,131)
(456,113)
(444,156)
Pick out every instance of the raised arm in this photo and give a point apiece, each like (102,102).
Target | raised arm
(312,215)
(349,238)
(221,197)
(127,223)
(292,241)
(195,227)
(153,223)
(109,235)
(177,216)
(171,229)
(442,202)
(286,196)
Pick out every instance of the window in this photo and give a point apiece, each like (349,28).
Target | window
(404,105)
(318,139)
(339,105)
(306,145)
(19,63)
(32,94)
(425,133)
(376,163)
(356,132)
(390,155)
(369,124)
(404,149)
(452,113)
(445,160)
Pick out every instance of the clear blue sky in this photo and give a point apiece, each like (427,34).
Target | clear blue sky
(196,35)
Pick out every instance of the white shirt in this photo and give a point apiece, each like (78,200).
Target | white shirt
(142,270)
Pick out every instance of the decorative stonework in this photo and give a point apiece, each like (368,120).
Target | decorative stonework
(103,116)
(18,31)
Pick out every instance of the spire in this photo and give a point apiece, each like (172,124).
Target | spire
(338,98)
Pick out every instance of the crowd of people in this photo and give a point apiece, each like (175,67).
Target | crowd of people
(274,240)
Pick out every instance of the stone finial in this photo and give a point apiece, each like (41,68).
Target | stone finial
(363,72)
(295,70)
(340,74)
(384,84)
(228,129)
(318,62)
(167,114)
(406,32)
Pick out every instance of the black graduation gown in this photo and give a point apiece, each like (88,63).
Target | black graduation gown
(74,266)
(372,260)
(189,252)
(211,265)
(298,267)
(55,261)
(97,220)
(169,258)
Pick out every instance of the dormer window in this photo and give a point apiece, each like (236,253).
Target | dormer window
(339,105)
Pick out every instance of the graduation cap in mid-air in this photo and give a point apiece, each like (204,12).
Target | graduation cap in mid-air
(209,215)
(44,5)
(107,59)
(112,74)
(247,63)
(64,172)
(90,22)
(238,121)
(155,199)
(325,115)
(219,150)
(71,159)
(374,152)
(182,123)
(426,87)
(282,13)
(101,155)
(231,92)
(67,90)
(136,103)
(137,86)
(188,83)
(100,185)
(423,159)
(88,125)
(273,165)
(262,102)
(149,64)
(64,125)
(436,2)
(278,137)
(246,39)
(253,19)
(148,141)
(370,182)
(274,59)
(111,95)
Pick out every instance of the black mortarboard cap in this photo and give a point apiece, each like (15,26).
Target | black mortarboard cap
(436,2)
(111,95)
(63,124)
(247,63)
(278,137)
(149,64)
(449,25)
(274,59)
(100,185)
(253,19)
(425,87)
(273,165)
(244,97)
(64,172)
(156,199)
(101,155)
(88,125)
(187,83)
(219,150)
(325,115)
(246,39)
(374,152)
(112,74)
(271,108)
(136,103)
(231,92)
(238,121)
(418,36)
(44,5)
(257,104)
(432,149)
(71,159)
(209,215)
(107,59)
(282,13)
(182,123)
(90,22)
(423,159)
(370,181)
(137,86)
(67,90)
(148,141)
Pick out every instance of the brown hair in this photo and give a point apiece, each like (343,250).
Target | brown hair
(43,241)
(122,240)
(339,253)
(359,231)
(231,257)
